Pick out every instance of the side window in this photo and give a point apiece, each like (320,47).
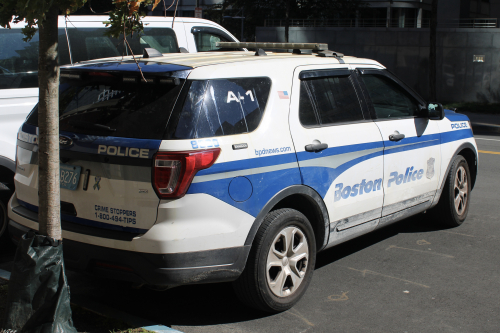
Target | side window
(206,41)
(328,100)
(389,99)
(206,38)
(221,107)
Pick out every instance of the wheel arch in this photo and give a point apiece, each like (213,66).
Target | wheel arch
(305,200)
(469,152)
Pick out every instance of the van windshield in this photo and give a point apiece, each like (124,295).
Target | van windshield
(19,59)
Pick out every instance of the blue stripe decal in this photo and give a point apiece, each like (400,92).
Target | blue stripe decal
(28,128)
(304,155)
(90,223)
(414,139)
(321,178)
(265,186)
(416,145)
(251,163)
(89,143)
(453,116)
(456,135)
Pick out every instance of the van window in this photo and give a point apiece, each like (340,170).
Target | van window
(19,59)
(206,38)
(220,107)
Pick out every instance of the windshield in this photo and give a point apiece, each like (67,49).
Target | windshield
(19,59)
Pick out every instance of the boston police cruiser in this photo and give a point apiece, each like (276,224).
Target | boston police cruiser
(240,166)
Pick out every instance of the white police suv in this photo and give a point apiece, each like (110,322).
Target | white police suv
(240,166)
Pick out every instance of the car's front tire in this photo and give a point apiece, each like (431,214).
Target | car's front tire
(454,203)
(281,263)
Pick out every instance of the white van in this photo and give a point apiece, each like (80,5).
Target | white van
(80,38)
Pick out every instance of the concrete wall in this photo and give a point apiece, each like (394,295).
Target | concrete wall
(406,53)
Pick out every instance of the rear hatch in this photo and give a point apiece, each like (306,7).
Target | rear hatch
(111,126)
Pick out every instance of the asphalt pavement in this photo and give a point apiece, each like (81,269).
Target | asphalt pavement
(413,276)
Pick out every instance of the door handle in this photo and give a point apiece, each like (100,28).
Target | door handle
(316,146)
(396,136)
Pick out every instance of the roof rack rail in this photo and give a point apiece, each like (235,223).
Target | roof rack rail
(320,48)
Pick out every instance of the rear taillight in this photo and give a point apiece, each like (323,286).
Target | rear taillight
(173,172)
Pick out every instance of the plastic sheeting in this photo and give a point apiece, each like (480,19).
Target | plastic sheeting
(38,297)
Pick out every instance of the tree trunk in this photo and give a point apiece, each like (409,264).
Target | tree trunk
(287,22)
(49,214)
(432,52)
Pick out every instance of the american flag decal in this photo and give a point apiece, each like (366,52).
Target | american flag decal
(283,94)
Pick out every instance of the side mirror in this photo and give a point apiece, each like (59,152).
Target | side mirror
(434,111)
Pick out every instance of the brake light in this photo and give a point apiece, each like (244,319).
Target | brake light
(173,172)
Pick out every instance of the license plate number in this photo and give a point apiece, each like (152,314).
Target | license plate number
(70,176)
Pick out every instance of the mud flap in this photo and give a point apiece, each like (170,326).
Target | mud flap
(38,297)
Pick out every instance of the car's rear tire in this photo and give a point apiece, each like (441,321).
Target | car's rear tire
(454,203)
(280,264)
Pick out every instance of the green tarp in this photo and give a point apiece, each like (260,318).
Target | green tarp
(38,297)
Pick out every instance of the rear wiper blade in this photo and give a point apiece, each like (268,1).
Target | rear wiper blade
(89,125)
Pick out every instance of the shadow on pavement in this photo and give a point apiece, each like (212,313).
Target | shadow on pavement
(212,304)
(195,305)
(415,224)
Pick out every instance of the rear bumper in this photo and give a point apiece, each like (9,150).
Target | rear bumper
(219,265)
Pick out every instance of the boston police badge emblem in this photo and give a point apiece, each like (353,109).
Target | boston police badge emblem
(430,168)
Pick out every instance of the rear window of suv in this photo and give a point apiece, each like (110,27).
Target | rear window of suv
(220,107)
(111,107)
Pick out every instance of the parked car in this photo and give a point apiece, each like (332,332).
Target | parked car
(240,166)
(80,38)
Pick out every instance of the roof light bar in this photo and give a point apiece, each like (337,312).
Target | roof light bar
(285,46)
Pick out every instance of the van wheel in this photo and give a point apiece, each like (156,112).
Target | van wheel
(281,263)
(454,202)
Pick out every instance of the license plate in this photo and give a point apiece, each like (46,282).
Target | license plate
(70,176)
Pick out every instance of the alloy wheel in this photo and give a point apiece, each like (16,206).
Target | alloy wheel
(461,190)
(287,261)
